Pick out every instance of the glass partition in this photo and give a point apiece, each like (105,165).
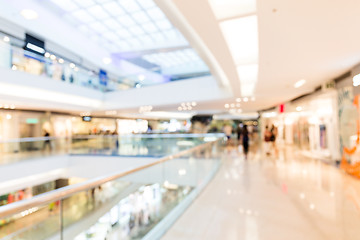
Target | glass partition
(129,207)
(147,145)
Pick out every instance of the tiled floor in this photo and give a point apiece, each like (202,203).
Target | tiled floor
(286,197)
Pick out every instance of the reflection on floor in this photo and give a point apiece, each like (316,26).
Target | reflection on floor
(279,197)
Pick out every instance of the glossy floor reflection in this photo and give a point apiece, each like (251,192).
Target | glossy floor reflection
(267,197)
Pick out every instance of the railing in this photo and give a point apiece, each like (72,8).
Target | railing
(180,175)
(151,145)
(60,69)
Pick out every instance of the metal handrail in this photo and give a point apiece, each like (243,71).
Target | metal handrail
(68,191)
(157,135)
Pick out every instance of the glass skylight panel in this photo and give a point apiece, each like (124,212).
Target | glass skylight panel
(130,5)
(146,40)
(113,9)
(102,1)
(171,34)
(136,30)
(123,45)
(149,27)
(95,38)
(100,28)
(66,5)
(112,24)
(155,13)
(111,36)
(141,17)
(71,19)
(84,29)
(134,42)
(98,12)
(126,21)
(158,37)
(123,33)
(84,3)
(146,3)
(111,47)
(163,24)
(83,16)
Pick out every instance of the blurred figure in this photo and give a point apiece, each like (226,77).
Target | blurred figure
(47,141)
(238,132)
(273,135)
(267,137)
(228,130)
(245,141)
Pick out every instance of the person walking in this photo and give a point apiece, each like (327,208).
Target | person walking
(267,137)
(47,141)
(273,134)
(228,131)
(245,141)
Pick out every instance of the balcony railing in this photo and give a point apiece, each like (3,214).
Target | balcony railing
(140,203)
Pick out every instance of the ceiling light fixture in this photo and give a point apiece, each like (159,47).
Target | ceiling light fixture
(29,14)
(227,105)
(107,60)
(299,83)
(238,99)
(246,99)
(6,39)
(356,80)
(35,48)
(141,77)
(299,108)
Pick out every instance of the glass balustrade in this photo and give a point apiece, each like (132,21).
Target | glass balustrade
(63,70)
(139,203)
(146,145)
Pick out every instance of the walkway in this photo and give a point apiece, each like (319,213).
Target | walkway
(273,198)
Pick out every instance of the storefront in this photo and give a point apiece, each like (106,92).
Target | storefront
(311,124)
(92,126)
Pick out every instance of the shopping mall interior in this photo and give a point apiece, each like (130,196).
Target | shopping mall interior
(179,119)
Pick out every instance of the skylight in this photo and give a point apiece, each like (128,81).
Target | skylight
(141,20)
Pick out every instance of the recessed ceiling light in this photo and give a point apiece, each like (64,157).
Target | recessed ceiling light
(299,83)
(227,105)
(6,39)
(238,99)
(141,77)
(29,14)
(107,60)
(356,80)
(299,108)
(232,105)
(246,99)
